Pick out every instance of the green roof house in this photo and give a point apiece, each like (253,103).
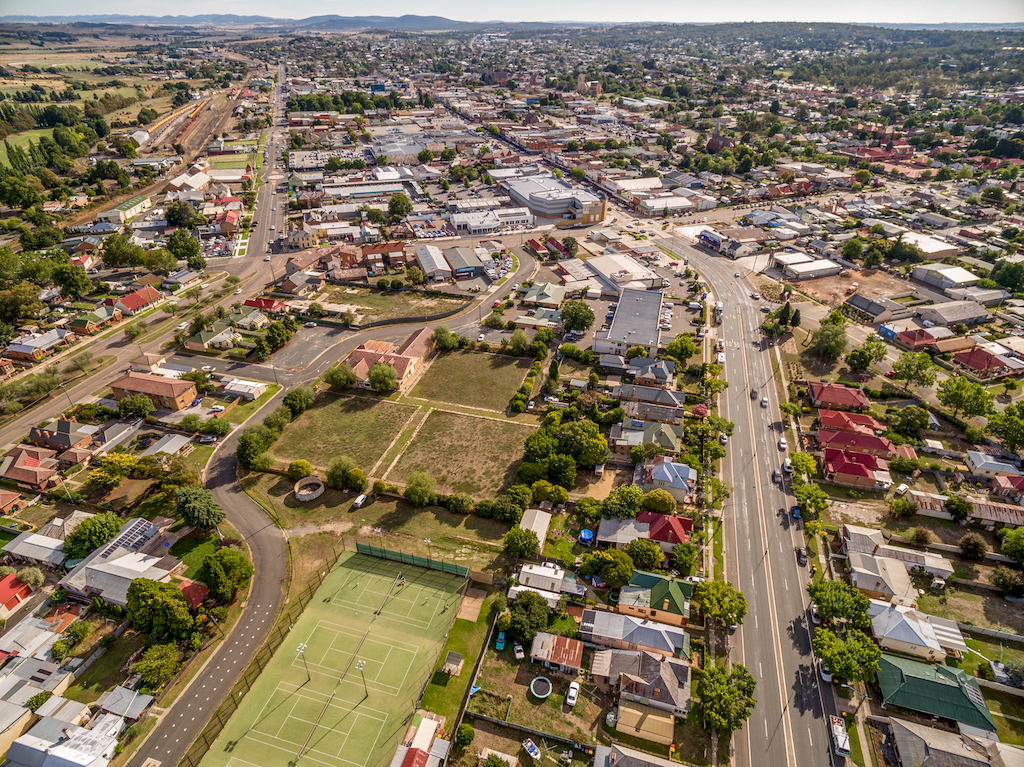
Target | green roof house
(941,691)
(656,597)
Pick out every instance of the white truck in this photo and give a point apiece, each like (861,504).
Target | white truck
(840,738)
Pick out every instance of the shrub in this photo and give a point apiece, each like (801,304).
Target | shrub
(484,509)
(973,547)
(356,479)
(464,735)
(299,470)
(1010,581)
(31,576)
(262,462)
(922,536)
(984,671)
(379,487)
(337,472)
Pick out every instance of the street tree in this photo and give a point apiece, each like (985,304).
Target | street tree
(444,339)
(158,664)
(914,368)
(727,697)
(964,396)
(855,657)
(830,340)
(804,463)
(839,602)
(721,602)
(195,505)
(158,609)
(872,350)
(341,377)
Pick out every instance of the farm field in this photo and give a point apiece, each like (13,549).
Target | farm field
(473,379)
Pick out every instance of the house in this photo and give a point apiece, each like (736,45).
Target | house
(989,513)
(537,521)
(267,305)
(612,364)
(984,364)
(944,276)
(9,502)
(545,295)
(677,479)
(953,312)
(31,467)
(137,301)
(33,347)
(631,433)
(981,464)
(665,530)
(13,594)
(646,411)
(868,540)
(126,211)
(881,578)
(649,394)
(366,355)
(918,744)
(656,597)
(168,445)
(833,396)
(853,442)
(548,580)
(36,548)
(857,423)
(88,323)
(618,755)
(53,742)
(626,632)
(166,393)
(652,372)
(61,435)
(560,653)
(181,279)
(1009,487)
(664,682)
(906,631)
(943,691)
(915,340)
(878,309)
(617,532)
(123,702)
(248,390)
(856,470)
(109,570)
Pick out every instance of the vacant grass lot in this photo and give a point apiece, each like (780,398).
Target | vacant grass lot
(988,611)
(473,379)
(359,427)
(106,672)
(464,453)
(370,304)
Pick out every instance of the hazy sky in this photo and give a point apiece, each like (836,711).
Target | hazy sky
(860,11)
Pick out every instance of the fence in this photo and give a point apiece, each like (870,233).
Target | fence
(412,559)
(201,745)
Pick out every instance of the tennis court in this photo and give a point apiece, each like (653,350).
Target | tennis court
(343,686)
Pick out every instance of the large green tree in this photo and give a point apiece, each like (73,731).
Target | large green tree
(382,377)
(964,396)
(914,368)
(1008,425)
(91,534)
(185,247)
(646,555)
(727,697)
(341,377)
(529,616)
(839,602)
(226,571)
(830,340)
(854,657)
(159,609)
(72,280)
(399,205)
(195,505)
(577,315)
(721,602)
(520,543)
(158,664)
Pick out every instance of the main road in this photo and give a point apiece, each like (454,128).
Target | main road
(786,728)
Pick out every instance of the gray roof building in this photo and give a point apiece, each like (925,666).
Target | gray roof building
(635,324)
(951,312)
(617,531)
(37,548)
(626,632)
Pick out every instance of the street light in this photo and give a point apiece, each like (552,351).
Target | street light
(65,389)
(302,653)
(380,539)
(360,665)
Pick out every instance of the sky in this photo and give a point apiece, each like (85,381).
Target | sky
(680,11)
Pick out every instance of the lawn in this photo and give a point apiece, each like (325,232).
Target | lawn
(370,304)
(360,427)
(991,650)
(474,379)
(1010,731)
(106,673)
(470,541)
(464,453)
(987,611)
(241,412)
(444,693)
(192,551)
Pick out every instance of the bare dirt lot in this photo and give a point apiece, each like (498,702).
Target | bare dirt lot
(870,283)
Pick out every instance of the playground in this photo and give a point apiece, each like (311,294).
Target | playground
(342,689)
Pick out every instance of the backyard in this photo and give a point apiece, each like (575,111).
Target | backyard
(106,673)
(987,611)
(474,379)
(359,427)
(465,454)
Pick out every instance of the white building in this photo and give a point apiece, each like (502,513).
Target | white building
(433,263)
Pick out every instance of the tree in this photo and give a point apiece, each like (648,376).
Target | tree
(624,502)
(39,698)
(683,558)
(838,601)
(71,279)
(571,245)
(617,568)
(520,543)
(810,496)
(465,734)
(872,350)
(902,507)
(682,348)
(584,442)
(958,507)
(1008,580)
(195,505)
(91,534)
(419,489)
(1013,544)
(804,463)
(1008,425)
(964,396)
(529,615)
(444,339)
(914,368)
(415,275)
(577,315)
(253,442)
(341,377)
(337,472)
(181,213)
(646,555)
(399,205)
(505,509)
(226,571)
(158,664)
(727,697)
(299,469)
(1014,668)
(721,602)
(519,342)
(31,576)
(382,377)
(973,547)
(299,400)
(659,501)
(874,257)
(830,340)
(852,250)
(184,247)
(425,156)
(159,609)
(135,404)
(133,331)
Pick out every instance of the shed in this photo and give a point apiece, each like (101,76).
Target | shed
(452,664)
(538,521)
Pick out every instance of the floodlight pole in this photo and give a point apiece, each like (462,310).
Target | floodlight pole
(360,665)
(302,653)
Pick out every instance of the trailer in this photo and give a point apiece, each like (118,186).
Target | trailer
(840,738)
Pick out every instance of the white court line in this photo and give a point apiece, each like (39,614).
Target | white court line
(287,717)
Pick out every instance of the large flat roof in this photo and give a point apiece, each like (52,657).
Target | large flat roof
(636,318)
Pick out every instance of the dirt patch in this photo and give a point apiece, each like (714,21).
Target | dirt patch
(588,485)
(870,283)
(311,528)
(471,603)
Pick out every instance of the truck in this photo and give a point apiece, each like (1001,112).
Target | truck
(719,309)
(840,738)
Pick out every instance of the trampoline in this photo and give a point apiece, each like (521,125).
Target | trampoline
(541,687)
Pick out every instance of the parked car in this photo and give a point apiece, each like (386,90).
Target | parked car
(182,326)
(517,650)
(801,556)
(207,440)
(500,643)
(787,466)
(815,617)
(782,443)
(310,324)
(796,512)
(206,368)
(217,409)
(358,502)
(573,695)
(826,674)
(723,438)
(480,337)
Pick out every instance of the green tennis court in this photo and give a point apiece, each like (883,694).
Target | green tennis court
(369,639)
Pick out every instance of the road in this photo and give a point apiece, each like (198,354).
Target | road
(787,727)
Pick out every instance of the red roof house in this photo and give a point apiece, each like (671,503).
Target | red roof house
(13,594)
(982,363)
(138,301)
(194,591)
(837,397)
(666,530)
(867,444)
(914,340)
(268,305)
(31,467)
(856,470)
(859,423)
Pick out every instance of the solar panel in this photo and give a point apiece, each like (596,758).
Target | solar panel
(973,693)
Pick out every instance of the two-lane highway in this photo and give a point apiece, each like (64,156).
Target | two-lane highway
(786,729)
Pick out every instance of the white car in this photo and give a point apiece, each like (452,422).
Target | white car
(787,466)
(736,275)
(723,438)
(764,402)
(206,368)
(573,695)
(238,292)
(205,285)
(217,409)
(826,674)
(267,258)
(755,296)
(480,337)
(782,443)
(182,326)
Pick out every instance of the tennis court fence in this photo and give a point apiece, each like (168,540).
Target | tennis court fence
(413,559)
(290,613)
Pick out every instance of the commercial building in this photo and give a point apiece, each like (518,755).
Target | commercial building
(433,264)
(945,276)
(617,271)
(548,197)
(167,393)
(126,211)
(952,312)
(464,263)
(635,323)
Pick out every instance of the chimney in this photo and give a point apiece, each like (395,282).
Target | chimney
(664,605)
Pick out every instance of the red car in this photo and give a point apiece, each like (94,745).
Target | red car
(890,373)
